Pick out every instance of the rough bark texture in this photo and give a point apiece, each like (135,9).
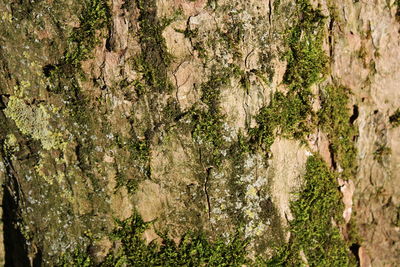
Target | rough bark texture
(200,116)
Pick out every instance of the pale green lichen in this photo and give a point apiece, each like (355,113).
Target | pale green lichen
(40,170)
(21,88)
(53,176)
(35,122)
(11,144)
(6,17)
(2,169)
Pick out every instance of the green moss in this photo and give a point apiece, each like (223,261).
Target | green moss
(198,46)
(131,185)
(313,233)
(287,115)
(207,132)
(291,114)
(83,39)
(212,4)
(35,122)
(306,58)
(267,66)
(154,59)
(193,250)
(138,160)
(207,124)
(152,65)
(139,149)
(334,119)
(231,35)
(78,259)
(140,152)
(394,119)
(64,78)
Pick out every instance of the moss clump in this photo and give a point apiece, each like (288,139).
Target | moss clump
(139,150)
(140,157)
(35,122)
(207,124)
(78,258)
(83,39)
(334,118)
(306,58)
(154,59)
(231,34)
(394,119)
(193,249)
(291,115)
(313,233)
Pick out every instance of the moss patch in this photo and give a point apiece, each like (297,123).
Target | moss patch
(306,57)
(287,115)
(207,123)
(83,39)
(334,119)
(154,60)
(313,232)
(193,249)
(291,114)
(139,151)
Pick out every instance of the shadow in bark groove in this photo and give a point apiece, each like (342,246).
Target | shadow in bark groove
(16,253)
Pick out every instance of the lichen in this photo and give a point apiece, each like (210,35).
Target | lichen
(6,17)
(34,121)
(11,144)
(42,170)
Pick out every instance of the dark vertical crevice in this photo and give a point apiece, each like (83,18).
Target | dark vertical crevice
(355,114)
(333,158)
(16,251)
(355,248)
(37,261)
(207,177)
